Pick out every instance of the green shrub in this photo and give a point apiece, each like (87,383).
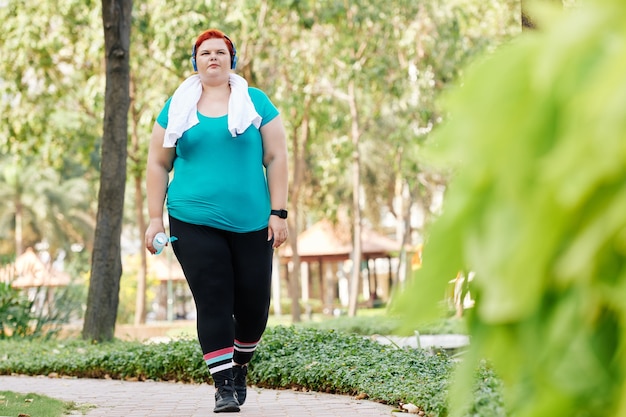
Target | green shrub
(288,357)
(330,361)
(20,318)
(15,313)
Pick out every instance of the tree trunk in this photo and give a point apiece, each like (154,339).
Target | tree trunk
(138,168)
(300,138)
(106,264)
(140,302)
(355,278)
(19,221)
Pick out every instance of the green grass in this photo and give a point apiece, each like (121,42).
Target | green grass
(367,322)
(35,405)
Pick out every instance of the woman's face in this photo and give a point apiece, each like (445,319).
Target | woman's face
(213,57)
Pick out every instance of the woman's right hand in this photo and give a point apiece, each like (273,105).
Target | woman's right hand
(158,166)
(153,228)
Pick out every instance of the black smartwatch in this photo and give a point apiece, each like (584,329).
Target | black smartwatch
(280,213)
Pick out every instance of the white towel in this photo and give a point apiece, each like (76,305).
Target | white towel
(183,111)
(241,111)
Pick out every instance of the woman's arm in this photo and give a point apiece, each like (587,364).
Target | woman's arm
(275,162)
(159,165)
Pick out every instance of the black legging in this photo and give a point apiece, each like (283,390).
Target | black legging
(229,275)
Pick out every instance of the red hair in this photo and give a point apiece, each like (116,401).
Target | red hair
(215,34)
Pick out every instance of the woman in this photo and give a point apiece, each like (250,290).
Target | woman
(226,202)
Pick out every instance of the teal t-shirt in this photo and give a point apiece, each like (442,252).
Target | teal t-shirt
(219,180)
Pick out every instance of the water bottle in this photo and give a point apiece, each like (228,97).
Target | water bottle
(159,242)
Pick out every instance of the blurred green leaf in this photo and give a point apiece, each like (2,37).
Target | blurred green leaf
(536,138)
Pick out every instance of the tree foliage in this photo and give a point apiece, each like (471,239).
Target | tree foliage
(398,56)
(535,208)
(42,206)
(298,52)
(49,133)
(48,50)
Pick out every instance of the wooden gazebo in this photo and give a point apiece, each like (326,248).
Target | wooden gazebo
(38,279)
(324,247)
(29,271)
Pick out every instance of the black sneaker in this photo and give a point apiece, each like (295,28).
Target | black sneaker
(239,374)
(226,399)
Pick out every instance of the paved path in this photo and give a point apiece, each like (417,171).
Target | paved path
(113,398)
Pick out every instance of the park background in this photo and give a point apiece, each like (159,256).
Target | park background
(534,151)
(356,82)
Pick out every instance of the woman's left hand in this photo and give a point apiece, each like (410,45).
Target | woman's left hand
(277,229)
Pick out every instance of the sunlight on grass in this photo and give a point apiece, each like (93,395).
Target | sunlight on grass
(14,404)
(368,321)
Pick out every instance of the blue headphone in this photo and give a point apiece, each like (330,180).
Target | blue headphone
(233,59)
